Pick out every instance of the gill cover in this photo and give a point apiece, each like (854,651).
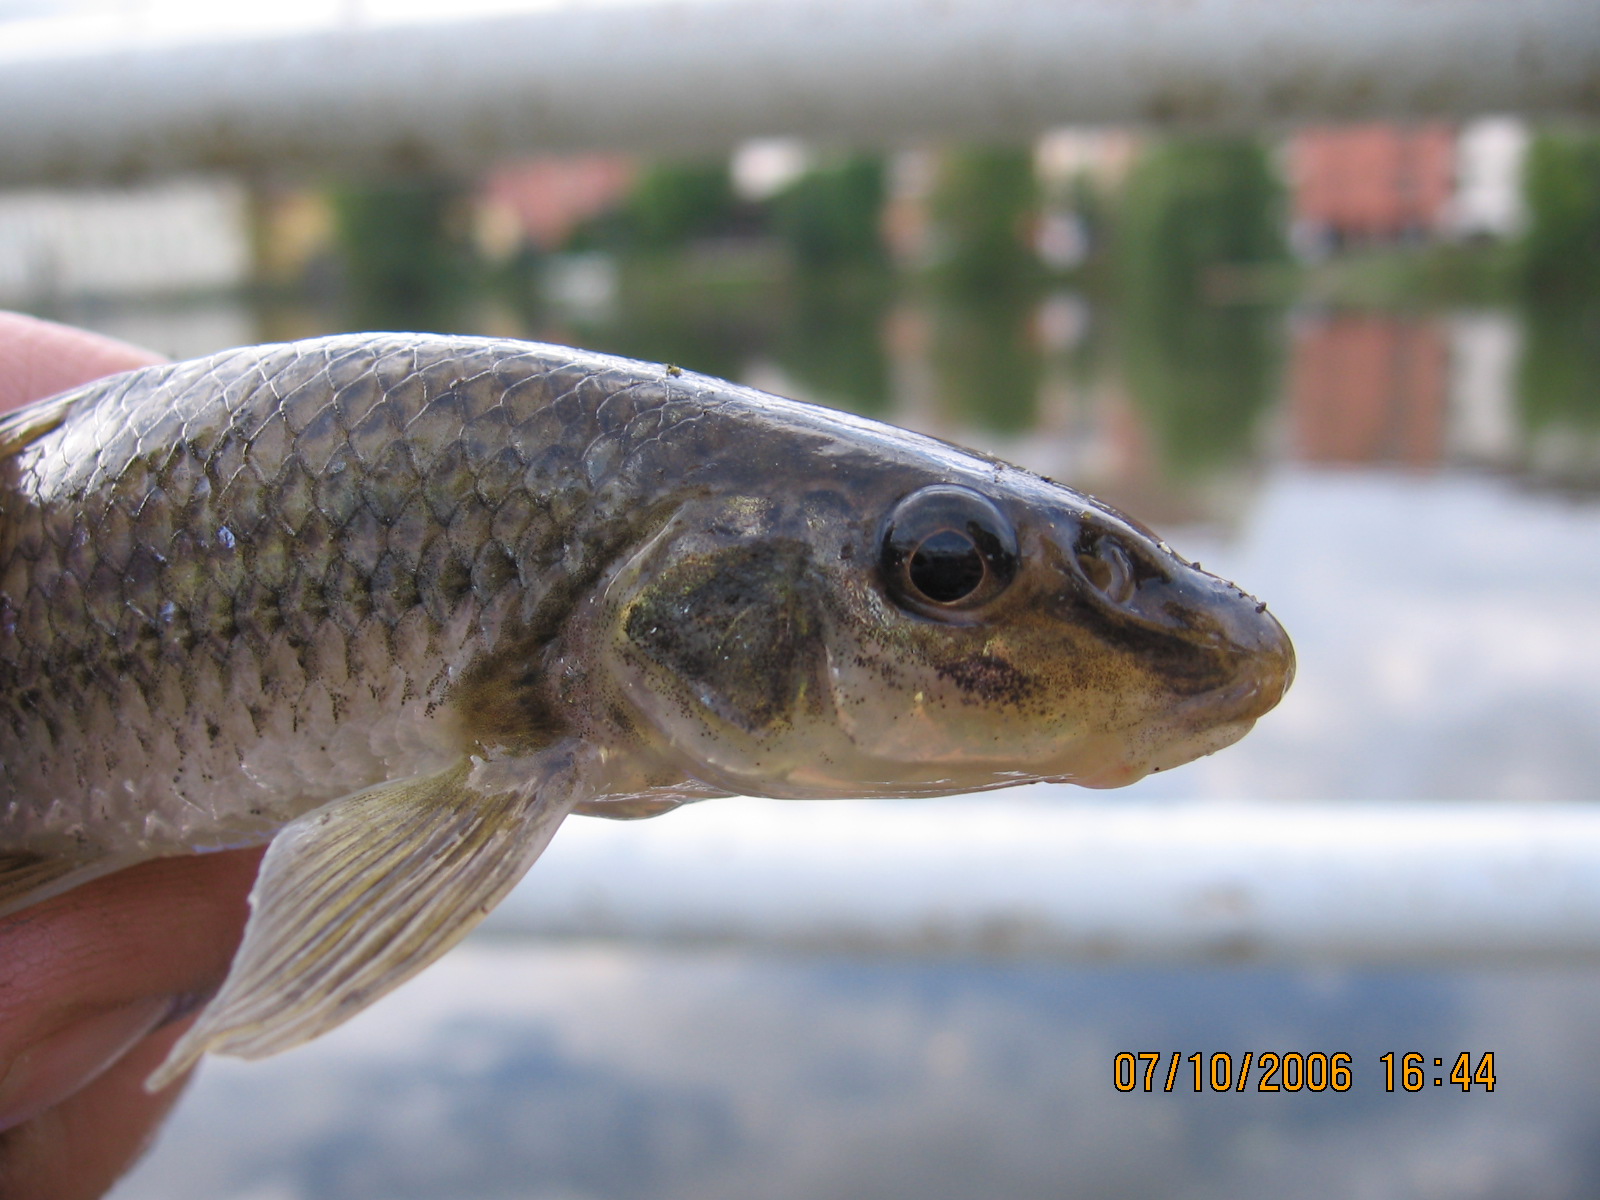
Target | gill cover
(738,626)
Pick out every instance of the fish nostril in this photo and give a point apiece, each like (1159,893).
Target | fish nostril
(1109,570)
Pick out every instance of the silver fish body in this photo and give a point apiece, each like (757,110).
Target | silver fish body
(233,589)
(377,595)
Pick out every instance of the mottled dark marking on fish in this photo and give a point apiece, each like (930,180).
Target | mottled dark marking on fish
(986,679)
(398,604)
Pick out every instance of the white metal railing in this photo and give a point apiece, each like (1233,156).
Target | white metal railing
(361,91)
(1053,876)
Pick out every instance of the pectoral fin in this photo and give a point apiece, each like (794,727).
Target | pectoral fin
(358,896)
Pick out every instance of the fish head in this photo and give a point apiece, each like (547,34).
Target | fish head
(932,631)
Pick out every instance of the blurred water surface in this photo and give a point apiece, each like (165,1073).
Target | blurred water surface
(514,1070)
(1417,495)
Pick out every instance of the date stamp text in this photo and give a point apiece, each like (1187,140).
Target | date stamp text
(1293,1071)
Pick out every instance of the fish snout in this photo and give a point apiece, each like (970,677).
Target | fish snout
(1214,645)
(1251,648)
(1272,663)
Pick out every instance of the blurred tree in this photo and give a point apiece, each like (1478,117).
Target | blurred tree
(1201,373)
(672,205)
(1561,250)
(407,260)
(1192,205)
(675,203)
(829,217)
(983,207)
(714,338)
(831,340)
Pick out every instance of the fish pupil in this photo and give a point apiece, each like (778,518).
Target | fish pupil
(946,567)
(947,551)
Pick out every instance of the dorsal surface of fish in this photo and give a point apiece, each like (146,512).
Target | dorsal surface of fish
(400,603)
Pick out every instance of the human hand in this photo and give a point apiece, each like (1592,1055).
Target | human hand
(97,984)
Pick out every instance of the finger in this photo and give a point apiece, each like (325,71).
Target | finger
(162,931)
(40,358)
(88,980)
(83,979)
(78,1149)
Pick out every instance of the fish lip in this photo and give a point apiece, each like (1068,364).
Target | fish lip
(1227,704)
(1265,676)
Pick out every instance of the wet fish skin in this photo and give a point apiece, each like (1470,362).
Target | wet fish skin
(230,590)
(401,602)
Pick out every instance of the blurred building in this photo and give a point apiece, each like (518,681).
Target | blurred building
(1387,182)
(1103,157)
(762,168)
(1488,200)
(293,232)
(1360,184)
(1068,162)
(540,202)
(907,227)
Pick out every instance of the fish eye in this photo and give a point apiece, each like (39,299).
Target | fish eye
(947,548)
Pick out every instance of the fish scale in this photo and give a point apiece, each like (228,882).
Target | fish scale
(345,490)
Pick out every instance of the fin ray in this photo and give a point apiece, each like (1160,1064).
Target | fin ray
(356,897)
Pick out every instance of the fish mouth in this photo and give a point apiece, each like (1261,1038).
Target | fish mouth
(1264,671)
(1198,725)
(1247,700)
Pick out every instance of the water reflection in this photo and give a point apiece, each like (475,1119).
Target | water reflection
(833,343)
(1368,388)
(1193,396)
(1444,626)
(584,1072)
(985,364)
(1558,394)
(1202,376)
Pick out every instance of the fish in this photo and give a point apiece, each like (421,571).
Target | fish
(395,605)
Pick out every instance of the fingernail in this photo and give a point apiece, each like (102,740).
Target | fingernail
(52,1069)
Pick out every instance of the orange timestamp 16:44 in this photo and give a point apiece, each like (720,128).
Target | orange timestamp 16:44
(1413,1074)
